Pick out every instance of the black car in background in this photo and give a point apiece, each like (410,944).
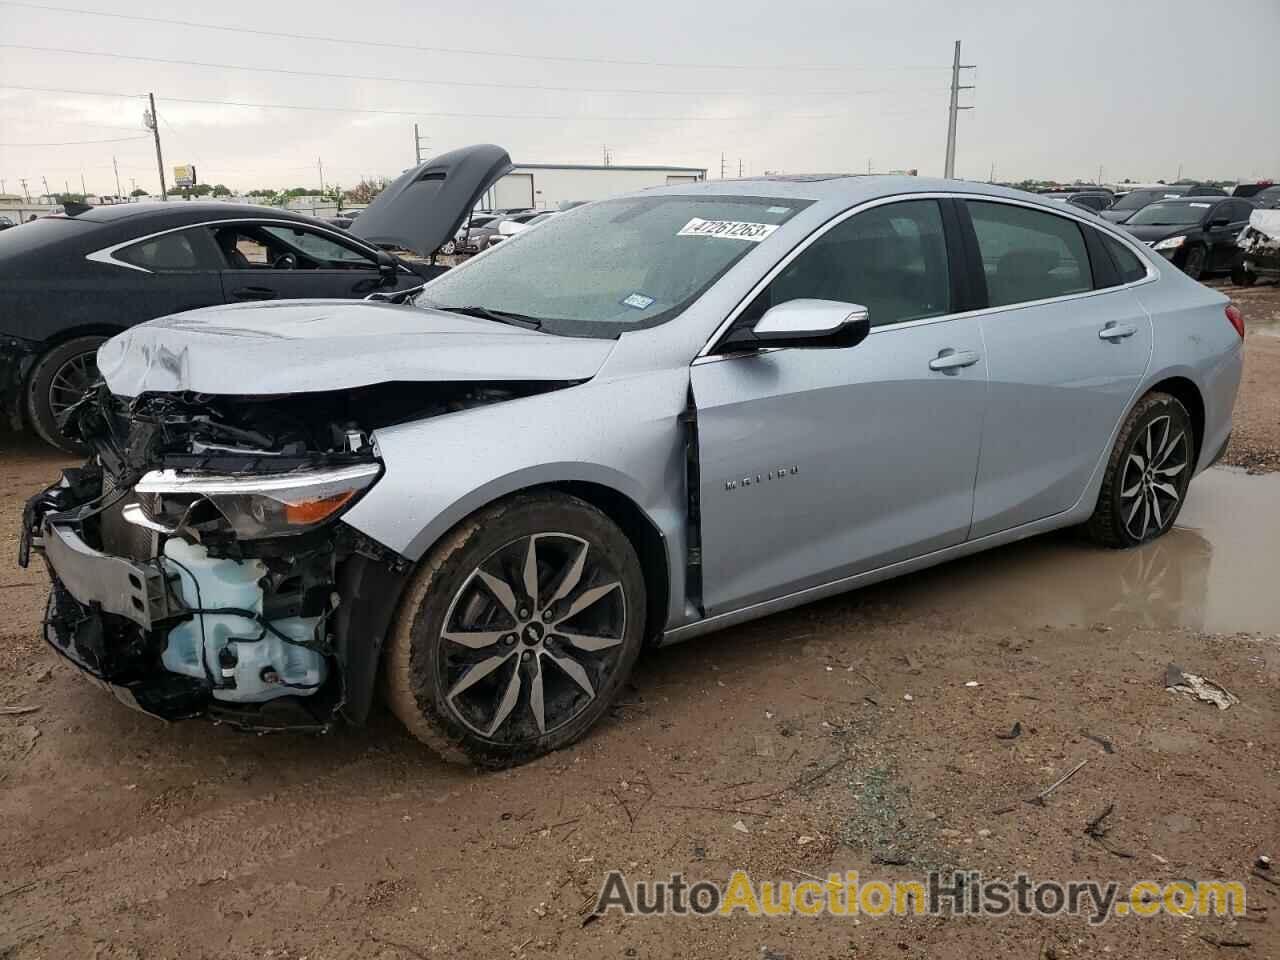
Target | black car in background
(73,280)
(1197,233)
(1092,200)
(1130,203)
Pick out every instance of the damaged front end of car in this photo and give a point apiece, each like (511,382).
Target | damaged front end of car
(199,561)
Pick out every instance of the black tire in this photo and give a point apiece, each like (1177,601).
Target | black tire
(53,383)
(1123,517)
(450,248)
(1242,276)
(450,593)
(1195,262)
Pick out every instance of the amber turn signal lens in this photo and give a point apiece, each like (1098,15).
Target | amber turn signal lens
(313,511)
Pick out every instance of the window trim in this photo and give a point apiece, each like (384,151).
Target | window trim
(107,254)
(707,354)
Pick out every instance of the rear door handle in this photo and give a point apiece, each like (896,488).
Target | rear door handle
(953,359)
(1117,331)
(254,293)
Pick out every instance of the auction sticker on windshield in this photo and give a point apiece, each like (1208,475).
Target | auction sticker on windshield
(727,229)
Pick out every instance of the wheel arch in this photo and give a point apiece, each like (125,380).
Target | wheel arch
(378,586)
(1188,394)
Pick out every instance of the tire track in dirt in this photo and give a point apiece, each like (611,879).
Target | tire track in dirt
(232,842)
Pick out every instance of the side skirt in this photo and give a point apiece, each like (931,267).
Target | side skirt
(809,595)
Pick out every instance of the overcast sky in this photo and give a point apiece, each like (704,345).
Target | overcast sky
(1142,88)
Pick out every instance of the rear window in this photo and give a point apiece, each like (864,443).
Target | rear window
(40,233)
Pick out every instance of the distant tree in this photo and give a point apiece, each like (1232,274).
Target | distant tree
(366,190)
(221,190)
(261,192)
(139,193)
(68,198)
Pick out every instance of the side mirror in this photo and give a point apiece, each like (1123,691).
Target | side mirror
(387,267)
(812,323)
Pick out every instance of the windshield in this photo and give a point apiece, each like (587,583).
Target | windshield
(1140,198)
(1169,215)
(613,266)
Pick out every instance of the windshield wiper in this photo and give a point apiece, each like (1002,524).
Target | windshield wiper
(497,316)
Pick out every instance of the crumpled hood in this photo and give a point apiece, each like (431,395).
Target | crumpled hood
(306,346)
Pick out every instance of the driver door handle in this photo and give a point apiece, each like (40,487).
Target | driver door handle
(953,359)
(254,293)
(1117,331)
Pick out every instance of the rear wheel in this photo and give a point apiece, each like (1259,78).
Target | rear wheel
(517,631)
(1194,264)
(1147,474)
(58,380)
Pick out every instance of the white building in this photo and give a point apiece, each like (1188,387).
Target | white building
(545,186)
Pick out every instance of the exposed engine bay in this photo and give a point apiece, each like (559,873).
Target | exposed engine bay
(198,562)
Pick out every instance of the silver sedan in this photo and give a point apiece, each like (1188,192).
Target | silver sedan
(650,418)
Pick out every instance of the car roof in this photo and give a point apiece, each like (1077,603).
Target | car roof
(840,191)
(181,211)
(1198,198)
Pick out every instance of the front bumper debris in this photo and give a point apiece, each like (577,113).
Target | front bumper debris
(115,585)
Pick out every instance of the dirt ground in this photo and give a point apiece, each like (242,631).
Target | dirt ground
(840,736)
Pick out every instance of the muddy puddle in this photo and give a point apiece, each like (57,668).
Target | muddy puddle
(1214,572)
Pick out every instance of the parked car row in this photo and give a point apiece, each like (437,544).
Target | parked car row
(75,279)
(1196,226)
(640,421)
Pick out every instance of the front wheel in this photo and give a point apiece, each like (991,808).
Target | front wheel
(1242,276)
(1194,265)
(1147,474)
(517,631)
(450,248)
(58,380)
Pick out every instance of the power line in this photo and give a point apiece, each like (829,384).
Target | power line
(493,85)
(404,113)
(347,41)
(72,143)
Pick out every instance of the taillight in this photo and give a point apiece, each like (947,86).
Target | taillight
(1236,318)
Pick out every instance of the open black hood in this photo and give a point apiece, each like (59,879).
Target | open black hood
(425,206)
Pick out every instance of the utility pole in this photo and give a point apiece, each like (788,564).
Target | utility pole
(320,167)
(116,167)
(153,121)
(83,189)
(991,178)
(721,164)
(417,145)
(1099,174)
(25,192)
(949,169)
(45,181)
(739,168)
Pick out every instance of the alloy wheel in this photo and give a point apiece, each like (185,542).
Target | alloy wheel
(531,635)
(70,382)
(1154,477)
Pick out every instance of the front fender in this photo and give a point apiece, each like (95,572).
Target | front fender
(622,434)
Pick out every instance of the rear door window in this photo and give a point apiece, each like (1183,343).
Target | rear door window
(1028,254)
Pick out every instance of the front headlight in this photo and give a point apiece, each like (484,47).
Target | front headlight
(256,507)
(1172,243)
